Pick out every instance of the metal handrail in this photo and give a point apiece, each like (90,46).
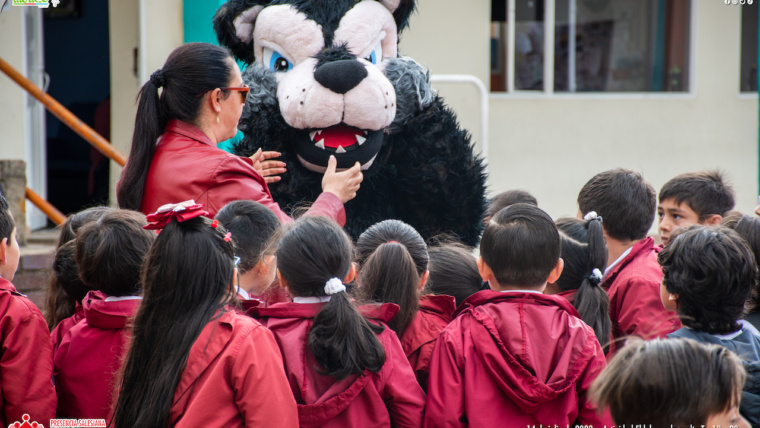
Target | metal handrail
(46,207)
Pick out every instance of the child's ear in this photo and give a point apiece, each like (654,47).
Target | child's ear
(485,272)
(265,264)
(3,251)
(713,220)
(557,271)
(424,279)
(351,274)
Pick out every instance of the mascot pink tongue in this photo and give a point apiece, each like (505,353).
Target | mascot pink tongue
(326,80)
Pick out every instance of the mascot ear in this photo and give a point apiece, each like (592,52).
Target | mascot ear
(401,10)
(233,24)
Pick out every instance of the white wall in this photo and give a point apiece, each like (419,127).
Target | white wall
(13,107)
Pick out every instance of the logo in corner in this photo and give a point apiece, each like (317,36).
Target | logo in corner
(43,4)
(25,423)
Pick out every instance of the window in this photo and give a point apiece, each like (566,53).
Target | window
(593,45)
(748,74)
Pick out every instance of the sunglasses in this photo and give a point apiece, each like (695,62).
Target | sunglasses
(243,90)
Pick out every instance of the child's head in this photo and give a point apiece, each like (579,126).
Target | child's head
(314,259)
(693,198)
(520,248)
(624,199)
(66,272)
(253,227)
(393,263)
(110,251)
(708,274)
(505,199)
(585,255)
(75,221)
(748,227)
(672,382)
(453,271)
(9,249)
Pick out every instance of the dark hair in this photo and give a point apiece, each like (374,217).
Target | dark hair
(583,250)
(390,272)
(66,271)
(58,303)
(705,192)
(110,251)
(510,197)
(312,251)
(6,220)
(252,225)
(190,70)
(713,272)
(624,199)
(521,245)
(669,382)
(187,277)
(748,227)
(453,271)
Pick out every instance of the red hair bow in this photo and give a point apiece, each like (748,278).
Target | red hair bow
(182,211)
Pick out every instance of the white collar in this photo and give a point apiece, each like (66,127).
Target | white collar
(311,299)
(120,298)
(244,294)
(617,262)
(521,291)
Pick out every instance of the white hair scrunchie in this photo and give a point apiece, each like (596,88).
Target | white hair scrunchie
(334,285)
(596,273)
(591,215)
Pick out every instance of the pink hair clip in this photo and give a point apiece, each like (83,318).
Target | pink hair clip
(228,237)
(393,242)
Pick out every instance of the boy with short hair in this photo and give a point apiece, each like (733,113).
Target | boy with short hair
(505,199)
(495,364)
(708,275)
(626,202)
(693,198)
(26,360)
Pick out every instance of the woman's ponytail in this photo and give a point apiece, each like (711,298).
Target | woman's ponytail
(592,302)
(390,275)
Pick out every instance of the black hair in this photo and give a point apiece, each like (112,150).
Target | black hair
(66,271)
(748,227)
(583,250)
(187,278)
(712,270)
(705,192)
(453,271)
(190,70)
(312,251)
(510,197)
(6,220)
(392,256)
(521,246)
(58,303)
(110,251)
(253,225)
(624,199)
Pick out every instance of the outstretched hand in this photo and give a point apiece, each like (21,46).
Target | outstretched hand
(342,184)
(269,169)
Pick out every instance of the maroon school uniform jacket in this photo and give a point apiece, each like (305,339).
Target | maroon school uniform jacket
(517,359)
(65,325)
(390,397)
(26,360)
(420,336)
(234,378)
(89,356)
(634,290)
(187,165)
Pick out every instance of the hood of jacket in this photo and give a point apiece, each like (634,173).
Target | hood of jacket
(105,314)
(534,346)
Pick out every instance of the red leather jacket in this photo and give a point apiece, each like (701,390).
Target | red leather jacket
(187,165)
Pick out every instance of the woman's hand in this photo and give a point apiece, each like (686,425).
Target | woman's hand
(269,169)
(342,184)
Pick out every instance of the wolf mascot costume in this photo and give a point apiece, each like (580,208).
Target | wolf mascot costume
(326,79)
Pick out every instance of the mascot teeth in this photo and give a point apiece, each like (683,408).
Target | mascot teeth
(340,149)
(321,144)
(360,139)
(312,134)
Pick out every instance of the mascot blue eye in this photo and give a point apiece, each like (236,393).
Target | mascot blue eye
(275,61)
(376,55)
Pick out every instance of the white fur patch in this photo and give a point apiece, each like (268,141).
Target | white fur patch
(304,103)
(244,24)
(287,31)
(366,24)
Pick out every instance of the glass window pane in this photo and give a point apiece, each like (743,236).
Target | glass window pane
(529,44)
(748,76)
(621,45)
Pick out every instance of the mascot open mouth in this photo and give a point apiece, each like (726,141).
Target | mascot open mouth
(348,144)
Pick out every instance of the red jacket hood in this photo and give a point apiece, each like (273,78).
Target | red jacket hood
(513,335)
(434,315)
(108,315)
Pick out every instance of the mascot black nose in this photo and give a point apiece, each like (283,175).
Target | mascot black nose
(340,76)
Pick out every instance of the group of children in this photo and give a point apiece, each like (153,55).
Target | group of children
(179,319)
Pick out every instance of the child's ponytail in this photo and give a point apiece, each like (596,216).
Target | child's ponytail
(390,275)
(313,254)
(585,254)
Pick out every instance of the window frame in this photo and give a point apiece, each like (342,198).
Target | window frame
(548,61)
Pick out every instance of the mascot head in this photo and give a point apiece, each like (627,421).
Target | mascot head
(323,65)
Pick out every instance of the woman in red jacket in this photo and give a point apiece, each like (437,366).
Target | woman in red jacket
(343,369)
(174,155)
(192,361)
(393,268)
